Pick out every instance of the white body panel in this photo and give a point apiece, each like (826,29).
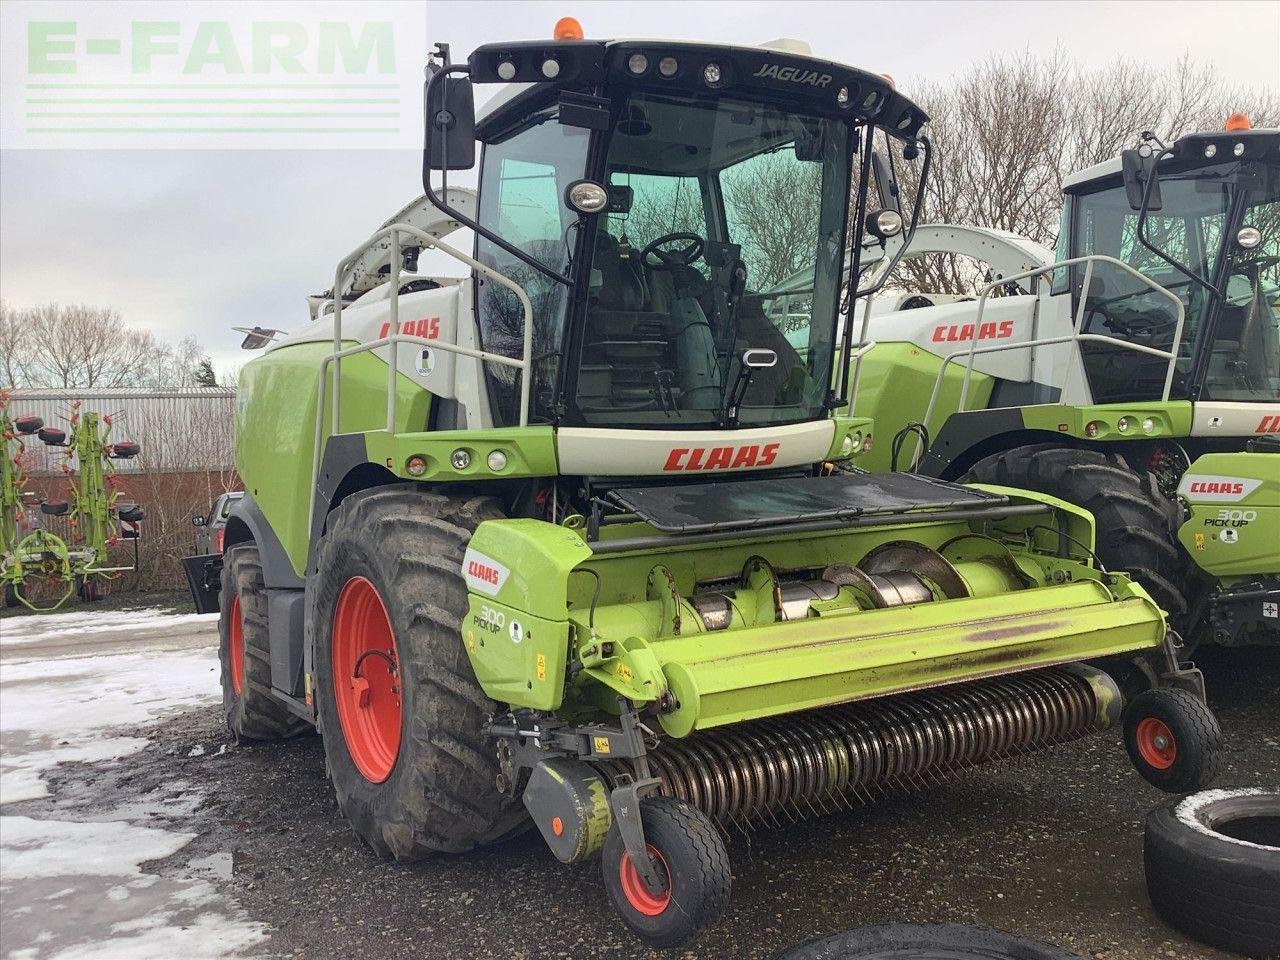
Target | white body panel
(950,328)
(587,450)
(1220,418)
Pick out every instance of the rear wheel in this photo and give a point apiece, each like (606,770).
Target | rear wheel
(1137,526)
(400,708)
(252,712)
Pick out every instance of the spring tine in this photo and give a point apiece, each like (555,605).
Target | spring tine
(809,764)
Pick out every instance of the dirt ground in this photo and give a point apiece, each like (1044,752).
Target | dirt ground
(1049,848)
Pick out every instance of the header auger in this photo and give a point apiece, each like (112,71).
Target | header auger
(576,539)
(39,569)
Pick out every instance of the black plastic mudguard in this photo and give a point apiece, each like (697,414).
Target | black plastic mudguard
(204,577)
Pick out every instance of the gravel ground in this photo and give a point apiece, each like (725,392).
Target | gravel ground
(1047,848)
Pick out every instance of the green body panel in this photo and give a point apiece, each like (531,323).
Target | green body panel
(518,637)
(275,428)
(530,452)
(857,430)
(745,674)
(1228,533)
(633,631)
(896,382)
(1166,419)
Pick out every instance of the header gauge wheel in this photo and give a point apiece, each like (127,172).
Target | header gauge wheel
(690,854)
(1173,740)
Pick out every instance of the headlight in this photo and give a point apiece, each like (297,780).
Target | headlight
(884,223)
(497,461)
(586,196)
(460,459)
(1249,237)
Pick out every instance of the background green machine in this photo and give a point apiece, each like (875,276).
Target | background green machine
(1138,375)
(40,569)
(574,541)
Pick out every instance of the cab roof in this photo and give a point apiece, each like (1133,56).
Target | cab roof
(775,73)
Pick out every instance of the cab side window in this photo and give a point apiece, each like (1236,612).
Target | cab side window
(523,179)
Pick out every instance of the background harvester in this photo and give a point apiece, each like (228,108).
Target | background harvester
(1136,373)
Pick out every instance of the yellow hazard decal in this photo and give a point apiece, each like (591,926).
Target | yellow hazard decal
(601,744)
(542,666)
(624,673)
(1199,541)
(471,640)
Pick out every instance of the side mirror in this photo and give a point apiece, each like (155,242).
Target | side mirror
(1138,166)
(197,521)
(449,125)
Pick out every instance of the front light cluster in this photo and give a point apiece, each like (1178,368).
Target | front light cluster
(497,460)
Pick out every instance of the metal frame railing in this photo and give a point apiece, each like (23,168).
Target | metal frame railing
(394,232)
(1041,274)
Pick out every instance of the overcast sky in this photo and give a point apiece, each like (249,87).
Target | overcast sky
(195,241)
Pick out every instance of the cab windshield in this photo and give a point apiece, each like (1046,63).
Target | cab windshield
(724,235)
(1240,333)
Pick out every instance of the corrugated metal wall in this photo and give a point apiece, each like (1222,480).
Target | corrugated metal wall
(180,430)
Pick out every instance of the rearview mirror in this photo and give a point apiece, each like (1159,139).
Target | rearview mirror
(1137,168)
(449,125)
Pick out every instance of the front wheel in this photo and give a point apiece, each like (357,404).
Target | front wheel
(400,709)
(688,850)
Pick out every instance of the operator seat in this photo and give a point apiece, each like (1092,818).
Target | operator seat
(622,283)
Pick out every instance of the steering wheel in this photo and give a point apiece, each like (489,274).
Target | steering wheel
(656,259)
(1264,262)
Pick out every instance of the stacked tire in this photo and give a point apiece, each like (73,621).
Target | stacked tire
(1212,862)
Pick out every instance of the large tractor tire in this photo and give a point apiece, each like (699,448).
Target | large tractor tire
(1137,526)
(400,708)
(252,712)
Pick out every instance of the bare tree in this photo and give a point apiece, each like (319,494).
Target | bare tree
(84,347)
(11,357)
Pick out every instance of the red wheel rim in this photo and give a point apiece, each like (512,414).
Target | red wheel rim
(235,647)
(366,679)
(635,889)
(1156,745)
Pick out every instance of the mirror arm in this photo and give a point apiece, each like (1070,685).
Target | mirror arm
(441,202)
(1142,229)
(910,231)
(838,398)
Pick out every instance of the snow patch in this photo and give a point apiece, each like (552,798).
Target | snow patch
(24,630)
(20,772)
(209,937)
(1191,813)
(55,848)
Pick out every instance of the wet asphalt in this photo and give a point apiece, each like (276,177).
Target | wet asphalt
(1049,847)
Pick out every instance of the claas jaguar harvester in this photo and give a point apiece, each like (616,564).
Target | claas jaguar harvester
(575,540)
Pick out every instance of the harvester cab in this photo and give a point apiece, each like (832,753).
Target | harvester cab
(1136,373)
(575,539)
